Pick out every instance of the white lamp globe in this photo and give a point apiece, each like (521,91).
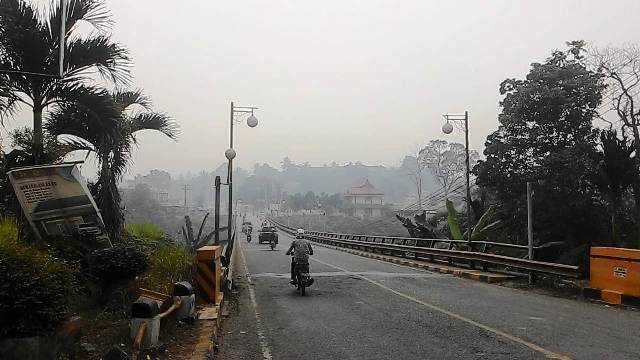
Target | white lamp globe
(230,154)
(252,121)
(447,128)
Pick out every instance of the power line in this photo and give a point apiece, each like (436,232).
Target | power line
(427,199)
(436,196)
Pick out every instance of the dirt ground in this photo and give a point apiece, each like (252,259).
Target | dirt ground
(104,331)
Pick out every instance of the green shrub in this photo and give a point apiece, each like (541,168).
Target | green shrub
(168,264)
(145,231)
(117,264)
(8,229)
(35,288)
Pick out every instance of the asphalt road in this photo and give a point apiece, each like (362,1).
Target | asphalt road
(360,308)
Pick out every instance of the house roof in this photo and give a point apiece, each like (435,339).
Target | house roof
(365,188)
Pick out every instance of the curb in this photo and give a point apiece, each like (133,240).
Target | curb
(489,278)
(610,297)
(209,319)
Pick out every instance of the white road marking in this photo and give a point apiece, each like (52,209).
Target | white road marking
(264,345)
(349,273)
(549,354)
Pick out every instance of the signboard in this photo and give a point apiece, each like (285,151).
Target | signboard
(56,201)
(620,272)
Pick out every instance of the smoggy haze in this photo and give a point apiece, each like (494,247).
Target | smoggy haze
(338,80)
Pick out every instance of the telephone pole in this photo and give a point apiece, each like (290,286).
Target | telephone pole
(185,188)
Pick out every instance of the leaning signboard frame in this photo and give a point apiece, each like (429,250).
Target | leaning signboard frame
(56,201)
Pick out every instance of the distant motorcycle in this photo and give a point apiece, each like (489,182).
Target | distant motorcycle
(272,243)
(249,231)
(303,279)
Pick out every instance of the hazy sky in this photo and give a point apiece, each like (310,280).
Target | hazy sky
(339,80)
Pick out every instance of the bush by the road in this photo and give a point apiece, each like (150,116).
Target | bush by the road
(169,262)
(35,287)
(117,264)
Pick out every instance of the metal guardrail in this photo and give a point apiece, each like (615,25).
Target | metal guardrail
(423,249)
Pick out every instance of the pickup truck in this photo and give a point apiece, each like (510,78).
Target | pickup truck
(266,234)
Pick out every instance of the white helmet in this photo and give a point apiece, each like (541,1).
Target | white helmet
(300,234)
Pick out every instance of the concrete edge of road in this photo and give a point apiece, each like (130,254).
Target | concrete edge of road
(210,317)
(482,276)
(610,297)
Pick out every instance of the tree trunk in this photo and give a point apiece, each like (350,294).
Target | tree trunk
(38,146)
(636,183)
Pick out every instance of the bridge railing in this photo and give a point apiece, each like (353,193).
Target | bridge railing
(433,250)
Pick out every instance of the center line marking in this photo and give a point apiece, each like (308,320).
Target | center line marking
(549,354)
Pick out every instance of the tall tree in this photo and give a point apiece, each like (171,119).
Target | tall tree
(112,147)
(446,161)
(546,136)
(29,46)
(416,174)
(621,68)
(616,173)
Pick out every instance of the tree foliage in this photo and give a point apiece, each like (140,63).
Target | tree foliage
(29,46)
(447,162)
(546,136)
(111,135)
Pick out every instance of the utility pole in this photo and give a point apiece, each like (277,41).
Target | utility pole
(217,211)
(185,188)
(532,276)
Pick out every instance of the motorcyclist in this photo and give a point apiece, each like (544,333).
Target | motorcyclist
(301,249)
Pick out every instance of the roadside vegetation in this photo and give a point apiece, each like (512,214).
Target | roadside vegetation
(44,283)
(571,129)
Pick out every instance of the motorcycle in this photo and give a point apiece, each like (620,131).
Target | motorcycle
(303,279)
(272,243)
(248,233)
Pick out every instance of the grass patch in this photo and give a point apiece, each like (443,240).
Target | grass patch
(145,231)
(168,264)
(8,230)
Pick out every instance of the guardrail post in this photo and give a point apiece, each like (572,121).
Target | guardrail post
(208,275)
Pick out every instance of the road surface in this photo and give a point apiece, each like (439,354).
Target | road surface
(361,308)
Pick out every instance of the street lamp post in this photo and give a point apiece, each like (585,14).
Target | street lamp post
(447,128)
(230,153)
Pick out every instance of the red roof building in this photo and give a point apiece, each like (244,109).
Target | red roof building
(364,200)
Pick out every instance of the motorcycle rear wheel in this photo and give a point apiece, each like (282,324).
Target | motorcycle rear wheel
(300,284)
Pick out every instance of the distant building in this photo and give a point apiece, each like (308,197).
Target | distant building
(364,200)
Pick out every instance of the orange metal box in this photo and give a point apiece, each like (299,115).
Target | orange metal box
(615,270)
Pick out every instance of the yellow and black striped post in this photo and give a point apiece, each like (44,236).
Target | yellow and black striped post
(208,275)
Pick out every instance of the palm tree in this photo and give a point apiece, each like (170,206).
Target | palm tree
(29,47)
(112,139)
